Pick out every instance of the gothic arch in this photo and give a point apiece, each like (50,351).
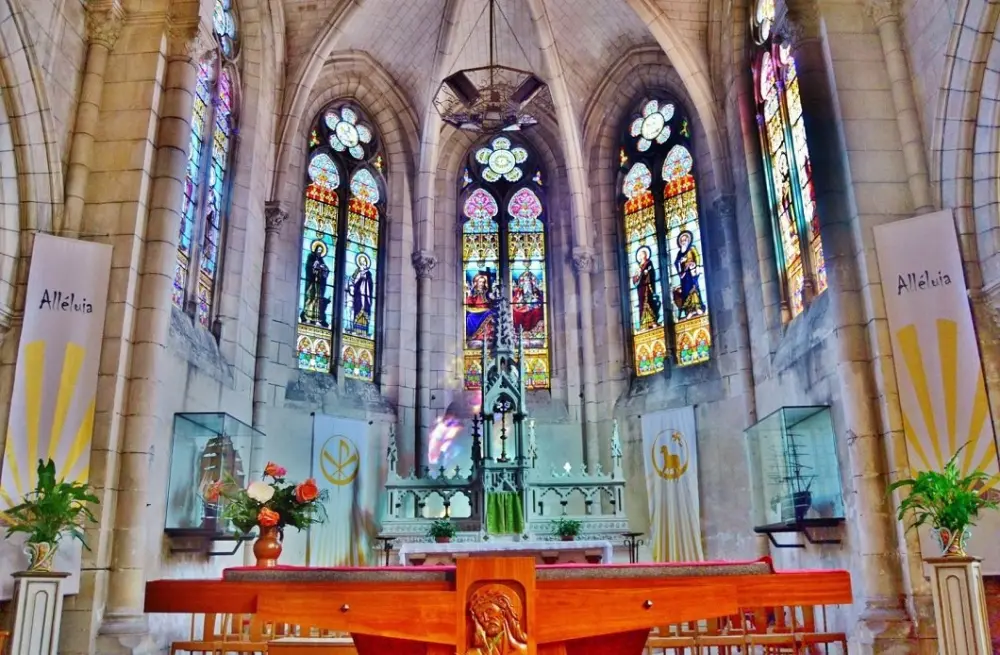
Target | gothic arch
(29,153)
(642,71)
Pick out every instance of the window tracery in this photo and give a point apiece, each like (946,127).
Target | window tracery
(509,247)
(208,175)
(787,165)
(662,240)
(339,284)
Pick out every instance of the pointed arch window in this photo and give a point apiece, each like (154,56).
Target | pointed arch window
(668,308)
(503,219)
(787,166)
(209,176)
(339,281)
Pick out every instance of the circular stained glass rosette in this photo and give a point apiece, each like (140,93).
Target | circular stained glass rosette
(347,133)
(502,161)
(652,125)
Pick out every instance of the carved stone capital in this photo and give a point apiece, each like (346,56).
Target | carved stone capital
(584,260)
(423,263)
(187,41)
(882,11)
(801,23)
(104,24)
(274,216)
(725,207)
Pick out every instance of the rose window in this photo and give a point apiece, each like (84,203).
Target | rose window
(347,133)
(653,125)
(501,160)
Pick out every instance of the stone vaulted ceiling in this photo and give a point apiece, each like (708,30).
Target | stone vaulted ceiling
(403,36)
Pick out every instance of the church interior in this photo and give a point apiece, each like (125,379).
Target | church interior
(500,326)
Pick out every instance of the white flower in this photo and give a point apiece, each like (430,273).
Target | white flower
(260,491)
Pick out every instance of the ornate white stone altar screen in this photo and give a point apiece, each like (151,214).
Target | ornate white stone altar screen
(579,549)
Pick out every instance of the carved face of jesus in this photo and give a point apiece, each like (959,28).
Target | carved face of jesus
(491,618)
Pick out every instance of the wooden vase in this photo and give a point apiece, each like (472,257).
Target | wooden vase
(267,548)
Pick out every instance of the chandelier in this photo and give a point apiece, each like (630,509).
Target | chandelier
(492,98)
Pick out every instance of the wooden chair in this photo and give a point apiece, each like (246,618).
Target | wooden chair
(205,640)
(773,631)
(4,636)
(245,634)
(810,638)
(725,635)
(673,639)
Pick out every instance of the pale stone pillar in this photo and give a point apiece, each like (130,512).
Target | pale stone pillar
(584,263)
(885,14)
(104,25)
(963,626)
(145,420)
(423,263)
(267,353)
(886,623)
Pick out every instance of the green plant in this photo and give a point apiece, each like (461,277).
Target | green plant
(271,504)
(567,527)
(442,529)
(944,499)
(54,509)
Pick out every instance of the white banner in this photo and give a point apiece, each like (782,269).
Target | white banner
(670,451)
(347,463)
(936,356)
(55,384)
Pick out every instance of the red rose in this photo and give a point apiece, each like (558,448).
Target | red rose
(268,518)
(274,471)
(307,491)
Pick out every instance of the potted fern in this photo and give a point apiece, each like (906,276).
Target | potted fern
(567,529)
(948,501)
(54,510)
(442,530)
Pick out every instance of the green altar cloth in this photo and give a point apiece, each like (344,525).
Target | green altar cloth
(503,513)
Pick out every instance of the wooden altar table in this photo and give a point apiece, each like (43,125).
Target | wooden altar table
(485,603)
(544,552)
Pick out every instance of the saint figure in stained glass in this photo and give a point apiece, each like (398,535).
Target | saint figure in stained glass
(687,297)
(644,279)
(314,300)
(362,292)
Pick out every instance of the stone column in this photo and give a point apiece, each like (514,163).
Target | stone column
(104,25)
(145,420)
(885,14)
(584,263)
(423,263)
(267,352)
(885,622)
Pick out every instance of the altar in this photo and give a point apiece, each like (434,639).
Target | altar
(544,552)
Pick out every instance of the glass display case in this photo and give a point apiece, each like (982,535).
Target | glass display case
(208,448)
(794,471)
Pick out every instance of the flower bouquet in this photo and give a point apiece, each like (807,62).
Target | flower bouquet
(272,506)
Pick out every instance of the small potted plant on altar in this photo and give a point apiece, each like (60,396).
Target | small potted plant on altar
(949,501)
(442,530)
(567,529)
(272,506)
(55,509)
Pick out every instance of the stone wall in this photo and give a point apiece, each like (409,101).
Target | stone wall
(901,100)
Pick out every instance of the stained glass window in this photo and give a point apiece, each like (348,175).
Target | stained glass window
(508,247)
(668,304)
(339,273)
(207,178)
(788,167)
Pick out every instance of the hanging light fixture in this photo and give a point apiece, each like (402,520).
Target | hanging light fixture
(492,98)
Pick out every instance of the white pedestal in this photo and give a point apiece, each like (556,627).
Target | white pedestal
(960,606)
(38,603)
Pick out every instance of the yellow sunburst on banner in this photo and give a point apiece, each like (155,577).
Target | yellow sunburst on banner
(64,444)
(943,447)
